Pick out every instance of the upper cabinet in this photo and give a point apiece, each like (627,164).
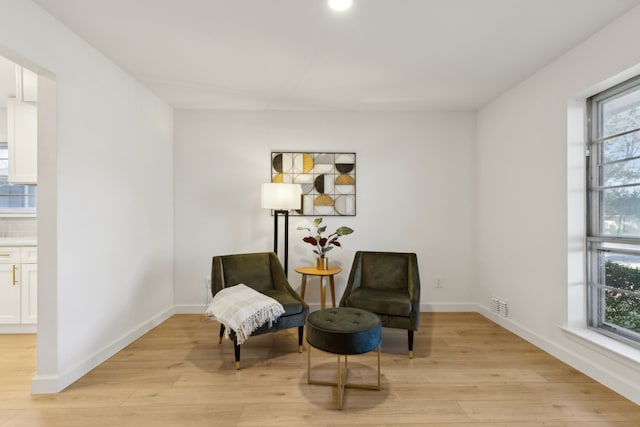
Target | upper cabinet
(22,129)
(26,85)
(22,141)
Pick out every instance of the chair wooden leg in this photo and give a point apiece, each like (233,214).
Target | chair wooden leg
(410,344)
(236,351)
(221,333)
(300,335)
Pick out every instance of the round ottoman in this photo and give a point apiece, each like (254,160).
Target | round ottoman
(343,331)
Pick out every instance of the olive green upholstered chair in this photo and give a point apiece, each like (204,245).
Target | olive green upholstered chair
(387,284)
(264,273)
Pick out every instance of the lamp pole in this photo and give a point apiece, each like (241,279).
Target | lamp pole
(285,213)
(281,198)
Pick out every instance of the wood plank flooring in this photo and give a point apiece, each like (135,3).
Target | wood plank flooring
(467,371)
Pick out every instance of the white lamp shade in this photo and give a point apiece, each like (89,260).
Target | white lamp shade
(281,196)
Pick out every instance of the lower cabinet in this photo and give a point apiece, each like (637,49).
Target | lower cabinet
(18,285)
(10,294)
(29,293)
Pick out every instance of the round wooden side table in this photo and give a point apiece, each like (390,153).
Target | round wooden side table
(313,271)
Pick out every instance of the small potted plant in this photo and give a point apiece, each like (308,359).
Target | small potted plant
(322,244)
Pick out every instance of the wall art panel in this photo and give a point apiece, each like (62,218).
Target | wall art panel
(328,180)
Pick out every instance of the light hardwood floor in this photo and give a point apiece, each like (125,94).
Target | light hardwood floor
(467,371)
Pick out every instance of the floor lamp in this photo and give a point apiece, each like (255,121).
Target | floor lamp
(281,198)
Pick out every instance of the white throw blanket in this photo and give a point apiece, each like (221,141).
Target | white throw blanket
(243,309)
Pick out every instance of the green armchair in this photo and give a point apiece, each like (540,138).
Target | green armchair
(264,273)
(387,284)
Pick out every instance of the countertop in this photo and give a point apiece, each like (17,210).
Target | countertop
(18,241)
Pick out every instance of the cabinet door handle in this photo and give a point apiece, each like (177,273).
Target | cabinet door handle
(5,254)
(14,274)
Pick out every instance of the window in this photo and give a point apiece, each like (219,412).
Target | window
(14,198)
(613,225)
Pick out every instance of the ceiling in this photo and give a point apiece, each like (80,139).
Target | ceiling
(299,55)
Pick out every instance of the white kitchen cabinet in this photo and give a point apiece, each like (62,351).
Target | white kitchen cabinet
(26,84)
(28,254)
(18,286)
(29,293)
(22,136)
(10,294)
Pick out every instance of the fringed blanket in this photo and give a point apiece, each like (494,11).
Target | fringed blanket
(243,309)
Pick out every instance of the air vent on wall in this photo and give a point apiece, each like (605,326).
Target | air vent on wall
(499,306)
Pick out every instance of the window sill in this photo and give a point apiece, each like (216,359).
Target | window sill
(619,351)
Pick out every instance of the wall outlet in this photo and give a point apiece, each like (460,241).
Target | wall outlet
(438,282)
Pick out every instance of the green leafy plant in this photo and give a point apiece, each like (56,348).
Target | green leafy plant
(622,309)
(324,244)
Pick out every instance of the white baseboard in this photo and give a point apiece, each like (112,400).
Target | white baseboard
(45,384)
(450,307)
(18,329)
(602,375)
(190,308)
(314,306)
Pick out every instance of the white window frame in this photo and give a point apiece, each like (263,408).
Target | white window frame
(599,243)
(18,211)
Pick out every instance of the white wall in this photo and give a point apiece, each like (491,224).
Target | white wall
(414,193)
(524,215)
(106,206)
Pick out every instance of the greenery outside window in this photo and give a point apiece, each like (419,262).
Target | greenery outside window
(14,198)
(613,234)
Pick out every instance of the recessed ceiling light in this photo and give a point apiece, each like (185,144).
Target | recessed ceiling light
(340,5)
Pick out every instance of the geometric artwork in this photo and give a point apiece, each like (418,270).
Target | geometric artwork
(328,180)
